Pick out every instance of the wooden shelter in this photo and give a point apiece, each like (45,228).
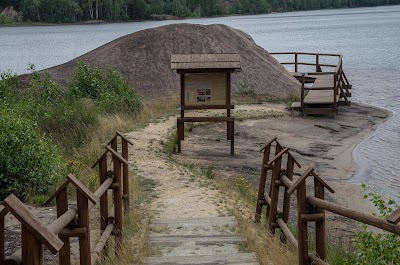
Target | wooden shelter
(205,84)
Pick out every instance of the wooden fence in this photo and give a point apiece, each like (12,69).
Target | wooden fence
(74,221)
(309,208)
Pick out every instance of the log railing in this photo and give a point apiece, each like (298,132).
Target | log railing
(74,221)
(309,208)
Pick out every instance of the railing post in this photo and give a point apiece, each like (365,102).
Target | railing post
(276,174)
(263,179)
(62,207)
(32,249)
(295,62)
(125,176)
(320,231)
(83,195)
(103,199)
(117,202)
(286,196)
(303,81)
(317,68)
(302,234)
(335,90)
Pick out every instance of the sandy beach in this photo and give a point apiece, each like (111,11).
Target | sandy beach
(321,142)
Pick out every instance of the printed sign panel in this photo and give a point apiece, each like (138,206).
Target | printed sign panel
(205,89)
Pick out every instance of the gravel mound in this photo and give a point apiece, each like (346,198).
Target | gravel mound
(143,58)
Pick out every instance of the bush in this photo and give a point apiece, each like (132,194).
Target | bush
(28,162)
(382,248)
(110,92)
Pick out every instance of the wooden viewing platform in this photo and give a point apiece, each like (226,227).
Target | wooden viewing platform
(322,92)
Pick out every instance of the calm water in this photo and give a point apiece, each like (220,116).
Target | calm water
(368,38)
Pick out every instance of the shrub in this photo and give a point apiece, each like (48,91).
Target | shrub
(110,92)
(28,162)
(382,248)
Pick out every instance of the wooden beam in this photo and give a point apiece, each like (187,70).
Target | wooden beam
(123,137)
(54,195)
(117,155)
(394,217)
(300,180)
(82,188)
(32,224)
(355,215)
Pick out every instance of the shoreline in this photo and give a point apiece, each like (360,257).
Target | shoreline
(321,142)
(362,167)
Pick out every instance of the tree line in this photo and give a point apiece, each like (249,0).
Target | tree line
(61,11)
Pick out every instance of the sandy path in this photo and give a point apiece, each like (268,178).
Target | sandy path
(178,195)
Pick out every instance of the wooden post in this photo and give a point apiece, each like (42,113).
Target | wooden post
(179,134)
(295,62)
(320,231)
(303,81)
(317,67)
(125,176)
(302,234)
(104,198)
(335,91)
(32,249)
(114,143)
(276,175)
(83,195)
(286,196)
(232,132)
(117,203)
(83,222)
(263,180)
(62,207)
(278,149)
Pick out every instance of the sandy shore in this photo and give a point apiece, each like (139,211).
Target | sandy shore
(321,142)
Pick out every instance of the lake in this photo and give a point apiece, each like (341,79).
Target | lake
(368,38)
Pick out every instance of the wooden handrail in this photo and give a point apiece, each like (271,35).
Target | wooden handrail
(86,201)
(355,215)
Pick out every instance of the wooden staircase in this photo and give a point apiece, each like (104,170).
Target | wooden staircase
(200,241)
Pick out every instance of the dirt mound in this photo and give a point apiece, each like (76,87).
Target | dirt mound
(144,59)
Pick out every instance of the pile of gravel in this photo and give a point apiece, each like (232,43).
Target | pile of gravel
(143,58)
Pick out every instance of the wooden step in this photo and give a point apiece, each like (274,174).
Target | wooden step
(234,259)
(174,240)
(195,222)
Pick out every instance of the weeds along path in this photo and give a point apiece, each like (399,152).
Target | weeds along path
(178,192)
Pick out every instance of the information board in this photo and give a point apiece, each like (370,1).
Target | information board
(205,89)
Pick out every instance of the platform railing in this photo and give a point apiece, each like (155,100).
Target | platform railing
(74,221)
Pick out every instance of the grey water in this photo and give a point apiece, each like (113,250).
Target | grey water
(368,38)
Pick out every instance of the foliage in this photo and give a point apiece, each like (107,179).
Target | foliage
(377,248)
(114,10)
(245,188)
(247,88)
(28,162)
(208,172)
(170,143)
(111,92)
(7,20)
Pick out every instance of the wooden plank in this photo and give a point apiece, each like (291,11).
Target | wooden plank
(202,107)
(176,240)
(234,259)
(300,180)
(82,188)
(123,137)
(32,224)
(195,222)
(320,97)
(206,119)
(117,155)
(192,58)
